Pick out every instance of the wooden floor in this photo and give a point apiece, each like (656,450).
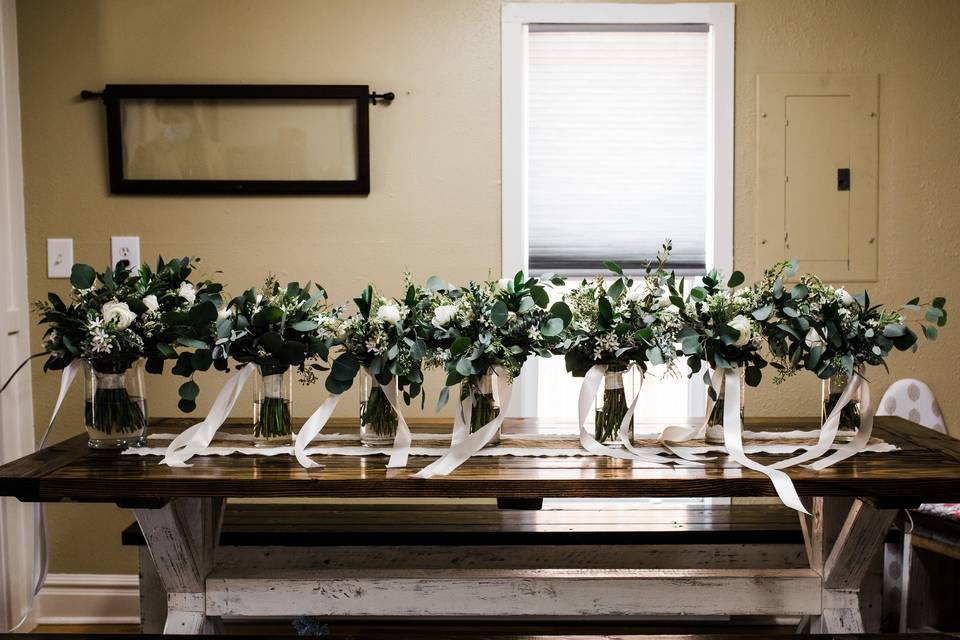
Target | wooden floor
(448,630)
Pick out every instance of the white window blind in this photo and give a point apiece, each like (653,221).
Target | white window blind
(618,146)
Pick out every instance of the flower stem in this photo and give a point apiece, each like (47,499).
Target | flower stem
(849,415)
(377,414)
(610,415)
(484,410)
(113,410)
(273,419)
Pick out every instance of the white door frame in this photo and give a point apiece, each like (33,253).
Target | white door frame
(16,403)
(515,21)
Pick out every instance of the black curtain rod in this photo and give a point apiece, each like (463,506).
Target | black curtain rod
(374,96)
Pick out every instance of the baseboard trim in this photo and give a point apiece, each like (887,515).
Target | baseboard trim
(89,598)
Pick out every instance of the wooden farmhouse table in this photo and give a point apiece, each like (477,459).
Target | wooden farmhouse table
(180,512)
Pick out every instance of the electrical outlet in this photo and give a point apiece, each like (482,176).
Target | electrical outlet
(125,248)
(59,257)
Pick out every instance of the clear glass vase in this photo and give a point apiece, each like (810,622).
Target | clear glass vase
(613,402)
(832,389)
(115,407)
(272,391)
(484,407)
(378,420)
(714,434)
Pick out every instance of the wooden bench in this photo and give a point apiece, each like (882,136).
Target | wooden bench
(401,635)
(509,545)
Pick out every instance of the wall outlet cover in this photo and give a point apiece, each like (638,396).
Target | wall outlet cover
(125,248)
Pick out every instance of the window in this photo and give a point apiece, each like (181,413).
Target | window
(617,133)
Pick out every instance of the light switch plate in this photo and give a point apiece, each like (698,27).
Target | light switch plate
(59,257)
(125,248)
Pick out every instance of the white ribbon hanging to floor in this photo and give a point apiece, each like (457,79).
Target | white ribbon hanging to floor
(588,397)
(464,444)
(200,435)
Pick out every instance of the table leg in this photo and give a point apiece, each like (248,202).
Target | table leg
(842,540)
(182,538)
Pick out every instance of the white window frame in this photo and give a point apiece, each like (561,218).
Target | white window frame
(515,21)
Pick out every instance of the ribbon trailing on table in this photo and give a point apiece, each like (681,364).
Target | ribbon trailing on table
(830,426)
(41,550)
(676,433)
(311,429)
(200,435)
(402,438)
(588,396)
(862,437)
(464,446)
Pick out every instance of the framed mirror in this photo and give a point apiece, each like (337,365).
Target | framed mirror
(238,139)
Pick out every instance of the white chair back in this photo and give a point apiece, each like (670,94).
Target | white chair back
(913,400)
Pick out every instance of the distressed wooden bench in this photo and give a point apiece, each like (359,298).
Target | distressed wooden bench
(395,635)
(503,546)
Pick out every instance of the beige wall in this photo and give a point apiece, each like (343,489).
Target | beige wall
(434,205)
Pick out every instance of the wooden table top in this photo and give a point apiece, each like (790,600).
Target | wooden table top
(926,468)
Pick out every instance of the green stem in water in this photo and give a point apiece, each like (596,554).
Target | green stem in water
(273,419)
(610,415)
(716,414)
(377,414)
(849,415)
(114,411)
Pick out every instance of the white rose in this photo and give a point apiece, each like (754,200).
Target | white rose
(118,313)
(187,292)
(389,313)
(443,315)
(742,324)
(151,302)
(224,312)
(503,282)
(845,298)
(663,302)
(511,316)
(813,339)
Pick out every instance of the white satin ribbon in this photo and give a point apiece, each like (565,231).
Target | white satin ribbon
(862,437)
(461,450)
(675,433)
(733,440)
(41,548)
(588,396)
(402,439)
(201,434)
(829,429)
(311,429)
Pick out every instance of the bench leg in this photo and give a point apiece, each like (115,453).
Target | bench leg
(842,540)
(153,599)
(181,539)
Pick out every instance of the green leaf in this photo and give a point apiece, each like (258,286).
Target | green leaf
(526,304)
(459,346)
(436,283)
(304,326)
(443,398)
(799,292)
(930,332)
(613,266)
(894,330)
(762,313)
(293,352)
(190,343)
(736,279)
(499,313)
(345,367)
(186,406)
(203,313)
(752,376)
(540,296)
(464,367)
(189,390)
(655,355)
(272,342)
(939,302)
(617,289)
(562,311)
(267,316)
(201,359)
(337,386)
(605,309)
(933,314)
(82,276)
(166,350)
(552,327)
(791,269)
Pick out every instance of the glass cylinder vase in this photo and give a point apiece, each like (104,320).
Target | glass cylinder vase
(714,433)
(272,392)
(832,389)
(613,402)
(378,420)
(484,407)
(115,407)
